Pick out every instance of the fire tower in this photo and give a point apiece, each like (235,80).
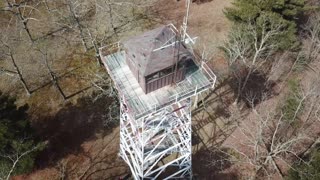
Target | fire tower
(156,79)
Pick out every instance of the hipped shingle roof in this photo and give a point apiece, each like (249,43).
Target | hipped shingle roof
(144,53)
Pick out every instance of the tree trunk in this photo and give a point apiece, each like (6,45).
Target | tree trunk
(277,167)
(95,46)
(9,4)
(79,26)
(23,82)
(8,72)
(311,147)
(83,39)
(242,86)
(25,24)
(111,19)
(54,79)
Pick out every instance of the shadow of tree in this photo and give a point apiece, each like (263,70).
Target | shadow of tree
(256,90)
(211,164)
(70,127)
(102,161)
(212,108)
(201,1)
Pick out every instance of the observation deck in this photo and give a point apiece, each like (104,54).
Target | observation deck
(199,77)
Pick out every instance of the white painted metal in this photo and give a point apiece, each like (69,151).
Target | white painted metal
(140,104)
(152,144)
(155,128)
(185,21)
(185,37)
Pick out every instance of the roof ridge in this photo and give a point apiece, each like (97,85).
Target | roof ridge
(159,33)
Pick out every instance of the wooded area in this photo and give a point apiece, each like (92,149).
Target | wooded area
(59,113)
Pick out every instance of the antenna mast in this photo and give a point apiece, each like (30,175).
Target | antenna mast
(185,21)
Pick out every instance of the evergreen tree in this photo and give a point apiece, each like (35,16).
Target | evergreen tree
(307,171)
(246,10)
(17,139)
(284,11)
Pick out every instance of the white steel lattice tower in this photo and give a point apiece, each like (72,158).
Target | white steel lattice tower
(155,128)
(145,142)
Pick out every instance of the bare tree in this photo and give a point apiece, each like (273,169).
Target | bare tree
(8,72)
(312,29)
(251,46)
(53,76)
(268,139)
(119,14)
(76,19)
(17,70)
(71,15)
(97,163)
(95,43)
(312,116)
(24,12)
(103,87)
(15,158)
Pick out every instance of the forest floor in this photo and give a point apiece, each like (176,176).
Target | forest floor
(80,146)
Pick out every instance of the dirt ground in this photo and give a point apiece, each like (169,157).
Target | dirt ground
(98,159)
(80,148)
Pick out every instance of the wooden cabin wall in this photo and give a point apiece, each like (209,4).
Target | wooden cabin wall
(180,75)
(143,83)
(133,67)
(164,81)
(138,76)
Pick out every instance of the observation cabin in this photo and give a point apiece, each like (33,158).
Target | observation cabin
(156,69)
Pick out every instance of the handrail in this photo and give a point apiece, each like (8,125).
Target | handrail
(115,47)
(180,95)
(110,48)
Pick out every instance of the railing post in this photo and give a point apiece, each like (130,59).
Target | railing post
(202,65)
(195,92)
(214,82)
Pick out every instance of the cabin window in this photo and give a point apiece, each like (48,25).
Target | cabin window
(181,64)
(189,63)
(153,77)
(165,72)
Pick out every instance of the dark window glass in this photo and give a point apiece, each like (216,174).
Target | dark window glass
(181,64)
(153,77)
(165,72)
